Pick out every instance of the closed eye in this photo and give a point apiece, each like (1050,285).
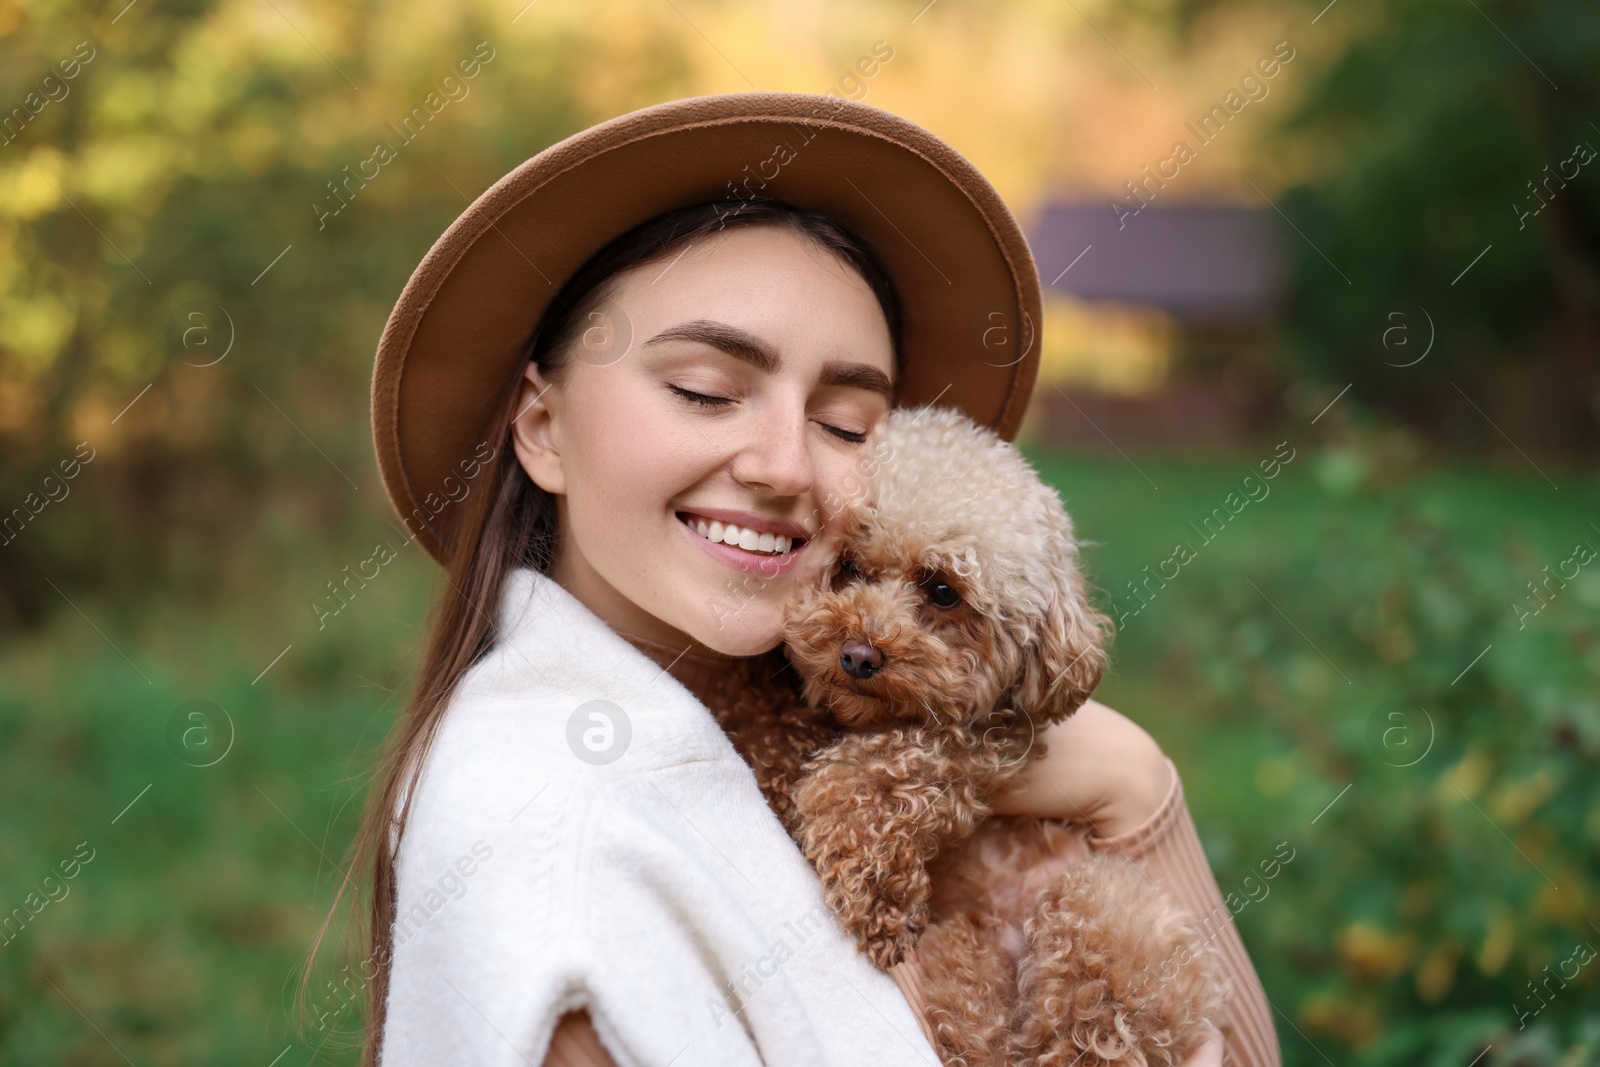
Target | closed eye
(700,398)
(844,435)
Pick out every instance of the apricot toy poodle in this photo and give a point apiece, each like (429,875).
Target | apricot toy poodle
(952,628)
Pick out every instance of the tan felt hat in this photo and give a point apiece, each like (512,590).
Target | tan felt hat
(966,280)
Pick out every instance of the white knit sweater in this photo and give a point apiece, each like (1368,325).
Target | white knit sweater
(658,890)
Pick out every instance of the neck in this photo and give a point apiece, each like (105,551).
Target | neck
(712,676)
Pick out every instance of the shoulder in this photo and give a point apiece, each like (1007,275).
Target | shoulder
(554,776)
(558,842)
(568,752)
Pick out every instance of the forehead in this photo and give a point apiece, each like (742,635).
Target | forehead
(887,549)
(763,278)
(746,258)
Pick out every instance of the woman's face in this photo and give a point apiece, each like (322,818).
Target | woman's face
(733,381)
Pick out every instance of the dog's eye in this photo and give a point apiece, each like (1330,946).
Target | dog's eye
(845,571)
(940,593)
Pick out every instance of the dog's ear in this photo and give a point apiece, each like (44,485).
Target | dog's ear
(1067,658)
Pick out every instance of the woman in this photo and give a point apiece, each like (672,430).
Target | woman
(561,832)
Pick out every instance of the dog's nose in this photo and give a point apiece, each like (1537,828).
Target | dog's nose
(860,659)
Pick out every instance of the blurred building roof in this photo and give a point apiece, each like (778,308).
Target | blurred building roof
(1190,260)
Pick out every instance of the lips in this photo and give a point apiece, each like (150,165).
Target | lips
(759,549)
(766,565)
(751,538)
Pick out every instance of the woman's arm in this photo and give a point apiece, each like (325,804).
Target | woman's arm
(1099,768)
(1102,769)
(1167,848)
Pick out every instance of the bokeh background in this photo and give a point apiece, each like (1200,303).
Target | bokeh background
(1379,261)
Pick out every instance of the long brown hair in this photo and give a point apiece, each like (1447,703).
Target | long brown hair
(513,525)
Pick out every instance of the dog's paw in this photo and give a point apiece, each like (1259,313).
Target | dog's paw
(1115,974)
(877,900)
(878,888)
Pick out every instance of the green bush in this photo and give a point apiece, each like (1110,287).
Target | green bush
(1324,649)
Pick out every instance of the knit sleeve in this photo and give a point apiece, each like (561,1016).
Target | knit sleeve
(1167,848)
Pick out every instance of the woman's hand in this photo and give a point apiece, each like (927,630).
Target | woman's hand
(1099,768)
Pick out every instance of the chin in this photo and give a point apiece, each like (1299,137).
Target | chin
(748,631)
(859,711)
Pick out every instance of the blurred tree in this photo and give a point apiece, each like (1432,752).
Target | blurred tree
(183,290)
(1430,132)
(1445,160)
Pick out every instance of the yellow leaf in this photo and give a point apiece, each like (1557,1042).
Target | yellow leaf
(1497,942)
(1372,953)
(1466,777)
(1354,1024)
(1514,801)
(36,328)
(35,187)
(1437,971)
(121,171)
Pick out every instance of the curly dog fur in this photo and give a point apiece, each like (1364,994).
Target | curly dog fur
(952,628)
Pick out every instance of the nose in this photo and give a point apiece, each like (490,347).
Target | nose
(860,660)
(779,458)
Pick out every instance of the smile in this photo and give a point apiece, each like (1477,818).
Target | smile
(765,544)
(765,554)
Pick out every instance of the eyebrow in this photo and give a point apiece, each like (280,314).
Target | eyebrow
(749,348)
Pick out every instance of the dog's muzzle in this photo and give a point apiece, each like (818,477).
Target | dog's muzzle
(860,659)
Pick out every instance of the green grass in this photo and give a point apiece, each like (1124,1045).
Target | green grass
(1403,931)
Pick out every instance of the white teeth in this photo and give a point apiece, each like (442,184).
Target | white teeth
(749,540)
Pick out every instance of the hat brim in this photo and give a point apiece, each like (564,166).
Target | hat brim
(967,283)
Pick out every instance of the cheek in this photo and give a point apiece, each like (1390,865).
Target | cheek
(626,450)
(624,458)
